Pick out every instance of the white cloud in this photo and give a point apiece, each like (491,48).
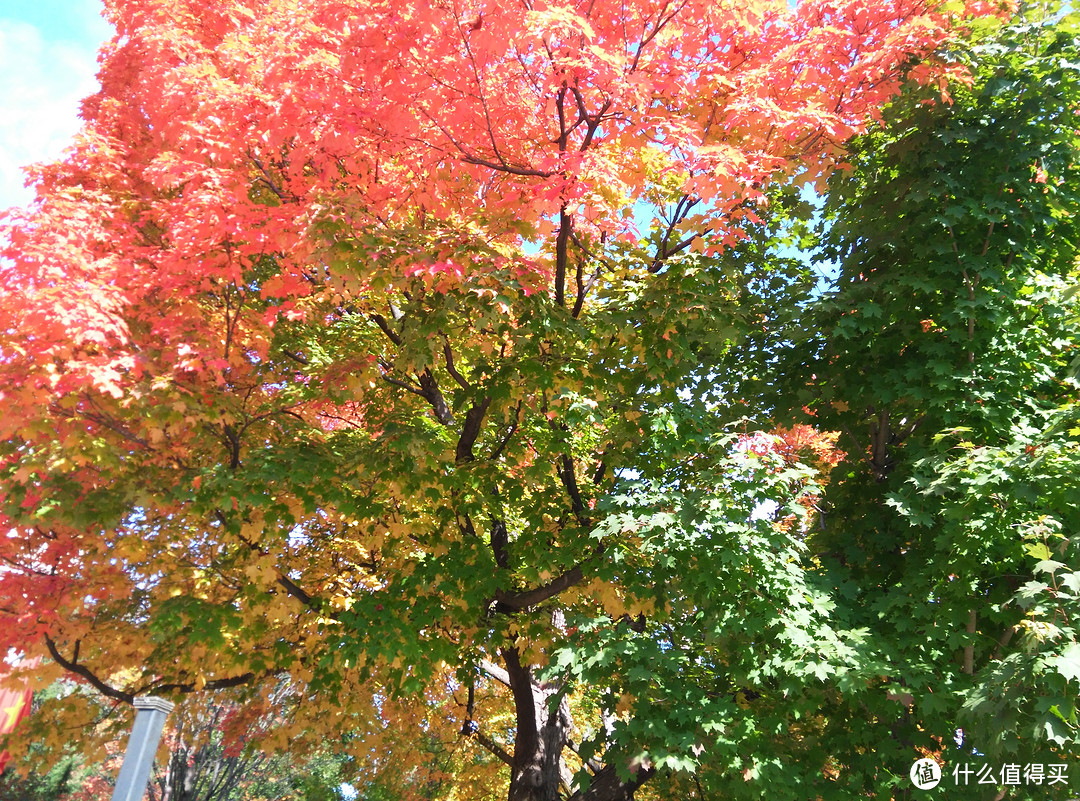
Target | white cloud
(41,85)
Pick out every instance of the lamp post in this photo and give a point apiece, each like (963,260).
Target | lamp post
(145,735)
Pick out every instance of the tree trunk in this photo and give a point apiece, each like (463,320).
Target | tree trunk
(607,786)
(538,772)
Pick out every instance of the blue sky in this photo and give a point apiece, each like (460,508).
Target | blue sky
(48,59)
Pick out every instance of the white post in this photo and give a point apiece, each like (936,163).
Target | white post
(145,734)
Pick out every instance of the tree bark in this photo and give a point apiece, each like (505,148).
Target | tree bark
(607,786)
(538,772)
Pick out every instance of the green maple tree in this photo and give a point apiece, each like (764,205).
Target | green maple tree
(942,357)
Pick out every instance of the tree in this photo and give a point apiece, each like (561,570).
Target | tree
(333,350)
(942,356)
(37,787)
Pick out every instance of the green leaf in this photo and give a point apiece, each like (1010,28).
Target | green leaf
(1048,566)
(1068,663)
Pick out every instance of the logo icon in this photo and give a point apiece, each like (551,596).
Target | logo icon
(925,774)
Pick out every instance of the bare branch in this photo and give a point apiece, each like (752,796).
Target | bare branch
(430,391)
(579,282)
(607,784)
(397,382)
(474,421)
(666,250)
(500,541)
(287,584)
(526,599)
(527,740)
(296,357)
(380,321)
(590,763)
(495,672)
(73,666)
(470,158)
(268,181)
(509,434)
(562,242)
(490,745)
(568,477)
(451,368)
(213,684)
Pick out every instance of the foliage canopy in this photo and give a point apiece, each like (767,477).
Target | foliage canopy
(425,354)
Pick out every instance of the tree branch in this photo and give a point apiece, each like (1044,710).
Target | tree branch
(664,250)
(380,321)
(568,477)
(214,684)
(495,672)
(474,421)
(500,542)
(525,599)
(450,368)
(606,785)
(286,583)
(405,385)
(509,434)
(507,167)
(562,243)
(72,666)
(430,390)
(489,744)
(527,740)
(590,763)
(296,357)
